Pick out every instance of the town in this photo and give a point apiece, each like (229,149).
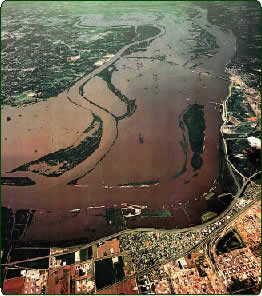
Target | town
(155,262)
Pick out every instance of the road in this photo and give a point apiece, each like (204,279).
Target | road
(192,229)
(75,96)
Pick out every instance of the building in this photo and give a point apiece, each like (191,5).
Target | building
(14,286)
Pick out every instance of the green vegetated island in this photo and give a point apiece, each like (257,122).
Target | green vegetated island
(61,65)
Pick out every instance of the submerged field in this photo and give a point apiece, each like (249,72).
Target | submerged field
(110,106)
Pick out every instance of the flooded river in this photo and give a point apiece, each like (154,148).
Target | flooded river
(141,129)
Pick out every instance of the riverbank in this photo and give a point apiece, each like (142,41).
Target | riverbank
(156,77)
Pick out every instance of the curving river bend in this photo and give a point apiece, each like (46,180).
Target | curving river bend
(131,110)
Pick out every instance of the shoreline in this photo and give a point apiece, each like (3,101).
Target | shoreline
(224,115)
(230,167)
(236,197)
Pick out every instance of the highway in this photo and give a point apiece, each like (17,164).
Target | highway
(75,96)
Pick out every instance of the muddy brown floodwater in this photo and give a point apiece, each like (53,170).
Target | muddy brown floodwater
(139,159)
